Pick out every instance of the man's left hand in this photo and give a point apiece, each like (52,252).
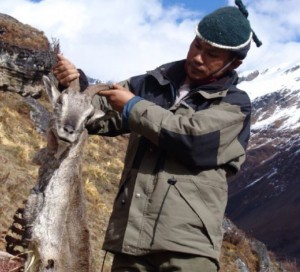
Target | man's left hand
(117,97)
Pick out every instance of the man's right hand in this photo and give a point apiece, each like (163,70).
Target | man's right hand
(65,71)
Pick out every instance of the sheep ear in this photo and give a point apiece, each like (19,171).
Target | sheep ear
(100,115)
(96,116)
(51,90)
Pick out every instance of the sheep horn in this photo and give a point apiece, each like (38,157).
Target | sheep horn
(75,85)
(94,89)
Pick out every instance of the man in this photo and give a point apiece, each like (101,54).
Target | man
(189,128)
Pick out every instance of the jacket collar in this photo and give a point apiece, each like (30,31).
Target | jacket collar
(170,73)
(174,73)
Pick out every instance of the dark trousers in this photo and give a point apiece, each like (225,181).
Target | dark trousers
(163,262)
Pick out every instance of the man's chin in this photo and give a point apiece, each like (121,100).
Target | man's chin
(196,81)
(196,75)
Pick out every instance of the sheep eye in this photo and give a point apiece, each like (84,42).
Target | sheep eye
(59,101)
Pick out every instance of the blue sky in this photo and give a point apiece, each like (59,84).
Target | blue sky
(200,5)
(197,5)
(115,39)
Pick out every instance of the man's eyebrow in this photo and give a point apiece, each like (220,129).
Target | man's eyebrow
(209,48)
(205,44)
(212,49)
(196,41)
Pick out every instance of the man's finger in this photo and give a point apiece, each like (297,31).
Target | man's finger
(116,86)
(64,73)
(60,57)
(61,66)
(65,80)
(106,92)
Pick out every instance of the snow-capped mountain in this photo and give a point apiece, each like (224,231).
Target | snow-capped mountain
(284,81)
(264,198)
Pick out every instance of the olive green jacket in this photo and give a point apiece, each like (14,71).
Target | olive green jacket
(173,191)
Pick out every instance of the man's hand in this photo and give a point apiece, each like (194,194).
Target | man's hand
(117,97)
(65,71)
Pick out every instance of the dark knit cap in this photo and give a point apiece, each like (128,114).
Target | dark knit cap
(228,28)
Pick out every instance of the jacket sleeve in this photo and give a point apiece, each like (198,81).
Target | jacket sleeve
(112,123)
(207,138)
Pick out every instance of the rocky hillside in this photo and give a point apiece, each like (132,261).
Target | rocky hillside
(265,197)
(25,55)
(23,121)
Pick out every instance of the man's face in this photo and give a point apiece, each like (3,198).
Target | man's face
(204,61)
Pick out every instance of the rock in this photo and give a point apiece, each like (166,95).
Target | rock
(265,263)
(241,265)
(231,233)
(39,114)
(25,55)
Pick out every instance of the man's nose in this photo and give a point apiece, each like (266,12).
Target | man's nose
(198,58)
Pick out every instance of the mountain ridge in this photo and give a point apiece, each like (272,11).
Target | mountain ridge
(264,198)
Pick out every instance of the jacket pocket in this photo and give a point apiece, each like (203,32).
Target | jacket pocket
(208,201)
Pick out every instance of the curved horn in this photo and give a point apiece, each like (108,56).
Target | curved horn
(94,89)
(75,85)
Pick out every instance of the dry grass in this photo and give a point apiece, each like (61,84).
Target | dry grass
(102,167)
(237,245)
(19,141)
(230,253)
(290,266)
(22,35)
(285,264)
